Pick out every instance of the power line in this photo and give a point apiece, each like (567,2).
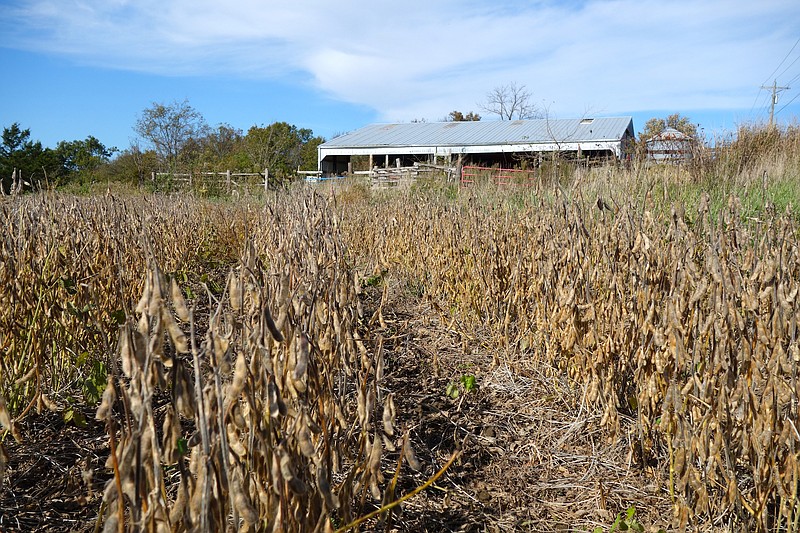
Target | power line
(789,102)
(759,104)
(755,101)
(781,63)
(789,66)
(793,79)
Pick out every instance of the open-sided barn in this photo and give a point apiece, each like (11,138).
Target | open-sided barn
(486,142)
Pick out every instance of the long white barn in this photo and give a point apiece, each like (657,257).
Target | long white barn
(489,142)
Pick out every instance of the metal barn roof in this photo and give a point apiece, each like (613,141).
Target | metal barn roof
(430,140)
(500,132)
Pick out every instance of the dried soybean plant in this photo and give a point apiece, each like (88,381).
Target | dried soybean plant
(68,268)
(59,287)
(275,420)
(684,322)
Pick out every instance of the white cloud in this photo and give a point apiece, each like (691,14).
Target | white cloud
(424,59)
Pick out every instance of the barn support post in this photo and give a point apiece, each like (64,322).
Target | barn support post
(386,164)
(349,168)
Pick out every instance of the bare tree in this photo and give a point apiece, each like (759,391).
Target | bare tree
(511,102)
(170,128)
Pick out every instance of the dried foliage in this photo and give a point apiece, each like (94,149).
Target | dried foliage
(69,270)
(241,384)
(254,404)
(275,446)
(687,323)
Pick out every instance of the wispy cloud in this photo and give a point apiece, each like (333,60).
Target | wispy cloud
(426,58)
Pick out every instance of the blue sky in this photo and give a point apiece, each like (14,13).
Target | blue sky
(73,68)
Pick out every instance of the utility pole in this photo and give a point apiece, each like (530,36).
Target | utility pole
(774,101)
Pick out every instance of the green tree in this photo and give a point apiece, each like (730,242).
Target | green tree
(656,125)
(81,159)
(281,148)
(14,139)
(173,131)
(222,148)
(458,116)
(132,165)
(308,153)
(29,159)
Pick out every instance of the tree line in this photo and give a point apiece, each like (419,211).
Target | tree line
(175,137)
(26,162)
(171,137)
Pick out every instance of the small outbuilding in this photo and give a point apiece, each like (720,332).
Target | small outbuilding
(670,145)
(478,142)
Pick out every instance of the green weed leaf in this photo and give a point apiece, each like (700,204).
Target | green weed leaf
(469,382)
(452,390)
(182,446)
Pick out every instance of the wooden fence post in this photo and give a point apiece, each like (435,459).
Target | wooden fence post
(266,179)
(228,180)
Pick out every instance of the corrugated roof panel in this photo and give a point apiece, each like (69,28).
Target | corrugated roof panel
(484,132)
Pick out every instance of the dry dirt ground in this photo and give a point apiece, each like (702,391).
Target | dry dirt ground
(532,455)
